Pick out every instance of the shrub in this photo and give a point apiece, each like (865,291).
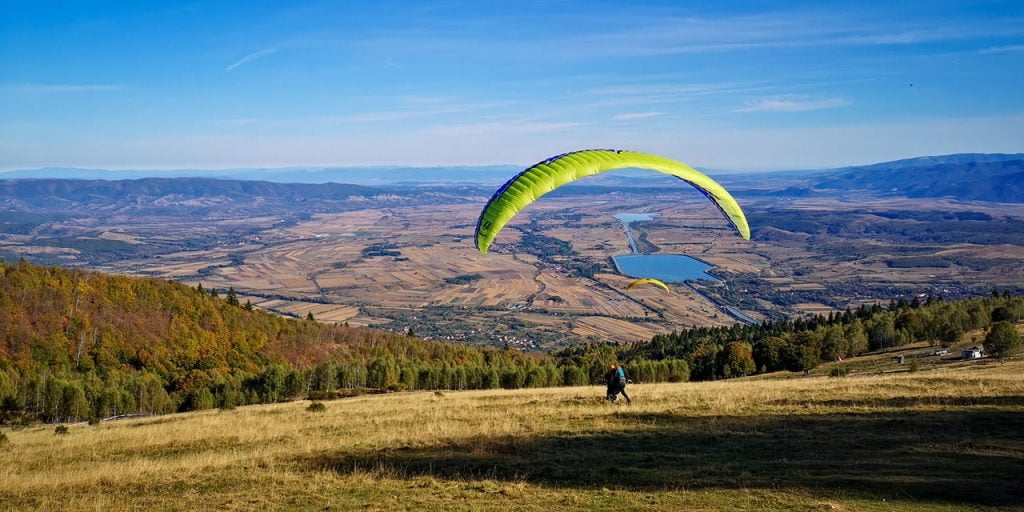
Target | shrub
(4,441)
(839,371)
(61,430)
(914,365)
(316,407)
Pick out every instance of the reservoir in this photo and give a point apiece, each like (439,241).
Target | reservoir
(670,268)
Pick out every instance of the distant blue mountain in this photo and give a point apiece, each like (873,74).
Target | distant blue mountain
(372,176)
(968,176)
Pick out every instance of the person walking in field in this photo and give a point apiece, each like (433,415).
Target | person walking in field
(616,379)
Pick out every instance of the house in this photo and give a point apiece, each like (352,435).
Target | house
(972,353)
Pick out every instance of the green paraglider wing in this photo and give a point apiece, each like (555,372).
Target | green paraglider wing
(534,182)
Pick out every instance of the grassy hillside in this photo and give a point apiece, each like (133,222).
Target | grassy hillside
(949,440)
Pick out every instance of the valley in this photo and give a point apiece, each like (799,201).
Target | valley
(402,259)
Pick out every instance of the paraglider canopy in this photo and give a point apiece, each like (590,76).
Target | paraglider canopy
(640,282)
(529,185)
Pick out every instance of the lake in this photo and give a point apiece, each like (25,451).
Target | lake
(670,268)
(634,217)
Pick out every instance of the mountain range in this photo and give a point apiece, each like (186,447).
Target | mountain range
(965,176)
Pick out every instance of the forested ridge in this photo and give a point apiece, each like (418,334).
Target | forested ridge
(802,344)
(85,345)
(78,345)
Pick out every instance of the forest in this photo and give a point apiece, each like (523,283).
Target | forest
(79,345)
(802,344)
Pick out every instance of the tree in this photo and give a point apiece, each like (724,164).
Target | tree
(833,343)
(309,316)
(738,360)
(856,339)
(1001,314)
(1002,339)
(883,334)
(232,297)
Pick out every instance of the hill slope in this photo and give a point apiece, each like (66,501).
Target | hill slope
(52,193)
(938,440)
(975,177)
(77,344)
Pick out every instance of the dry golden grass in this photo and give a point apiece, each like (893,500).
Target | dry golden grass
(938,440)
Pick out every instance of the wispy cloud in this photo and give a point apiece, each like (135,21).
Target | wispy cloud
(61,88)
(630,116)
(1013,48)
(673,34)
(792,104)
(251,57)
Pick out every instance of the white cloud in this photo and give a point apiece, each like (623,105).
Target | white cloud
(630,116)
(792,104)
(1013,48)
(251,57)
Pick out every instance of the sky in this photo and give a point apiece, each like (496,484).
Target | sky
(725,85)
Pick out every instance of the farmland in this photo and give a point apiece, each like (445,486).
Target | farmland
(407,260)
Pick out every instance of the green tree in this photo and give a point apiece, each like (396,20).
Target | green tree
(1002,339)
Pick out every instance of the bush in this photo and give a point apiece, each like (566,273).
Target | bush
(4,441)
(61,430)
(316,407)
(839,371)
(914,365)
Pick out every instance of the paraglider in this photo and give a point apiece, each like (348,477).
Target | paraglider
(529,185)
(639,282)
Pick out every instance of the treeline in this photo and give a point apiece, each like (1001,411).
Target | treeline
(804,343)
(78,345)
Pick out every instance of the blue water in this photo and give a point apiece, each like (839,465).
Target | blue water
(670,268)
(634,217)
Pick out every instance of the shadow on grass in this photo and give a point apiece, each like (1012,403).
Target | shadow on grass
(974,457)
(913,401)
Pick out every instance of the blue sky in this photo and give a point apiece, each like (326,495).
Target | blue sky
(747,85)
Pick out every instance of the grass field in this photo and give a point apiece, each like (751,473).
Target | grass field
(950,439)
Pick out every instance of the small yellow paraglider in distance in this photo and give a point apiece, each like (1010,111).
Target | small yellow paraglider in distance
(654,282)
(529,185)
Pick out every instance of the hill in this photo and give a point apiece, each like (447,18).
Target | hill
(51,194)
(971,177)
(939,440)
(76,345)
(372,176)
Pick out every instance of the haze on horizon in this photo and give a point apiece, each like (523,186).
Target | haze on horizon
(270,84)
